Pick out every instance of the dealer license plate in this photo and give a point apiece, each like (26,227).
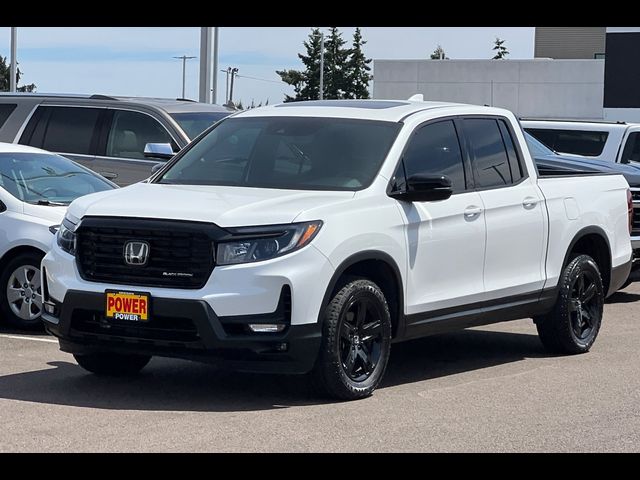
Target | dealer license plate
(127,306)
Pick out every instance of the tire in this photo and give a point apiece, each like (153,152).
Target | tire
(112,364)
(356,342)
(21,291)
(573,324)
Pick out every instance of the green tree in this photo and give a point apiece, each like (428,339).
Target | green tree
(358,69)
(5,78)
(336,68)
(500,49)
(306,84)
(438,54)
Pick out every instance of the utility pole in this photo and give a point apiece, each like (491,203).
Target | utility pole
(321,94)
(233,72)
(214,79)
(226,93)
(184,59)
(204,85)
(13,71)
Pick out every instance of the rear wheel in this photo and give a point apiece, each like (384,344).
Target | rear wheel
(21,294)
(573,324)
(356,342)
(112,364)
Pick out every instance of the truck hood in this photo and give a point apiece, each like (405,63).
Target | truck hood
(224,206)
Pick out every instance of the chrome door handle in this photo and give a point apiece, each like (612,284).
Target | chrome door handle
(529,202)
(472,212)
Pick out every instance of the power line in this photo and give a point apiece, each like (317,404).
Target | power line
(261,79)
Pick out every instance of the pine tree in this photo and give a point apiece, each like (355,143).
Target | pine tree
(306,83)
(5,78)
(500,49)
(438,54)
(336,71)
(358,69)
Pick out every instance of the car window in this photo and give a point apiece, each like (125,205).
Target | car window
(287,152)
(578,142)
(536,147)
(64,129)
(490,159)
(33,177)
(434,149)
(631,152)
(515,163)
(194,123)
(5,110)
(131,131)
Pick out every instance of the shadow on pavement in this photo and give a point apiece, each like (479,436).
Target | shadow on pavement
(623,297)
(176,385)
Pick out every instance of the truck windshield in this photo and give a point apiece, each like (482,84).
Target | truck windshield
(194,123)
(47,179)
(302,153)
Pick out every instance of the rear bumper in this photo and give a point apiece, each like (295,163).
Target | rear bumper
(195,333)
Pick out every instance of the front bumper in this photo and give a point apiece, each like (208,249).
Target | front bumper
(188,329)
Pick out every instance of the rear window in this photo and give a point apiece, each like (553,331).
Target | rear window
(589,143)
(5,110)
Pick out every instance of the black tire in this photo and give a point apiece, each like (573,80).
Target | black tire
(112,364)
(355,346)
(573,324)
(31,261)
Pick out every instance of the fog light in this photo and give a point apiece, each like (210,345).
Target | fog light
(266,327)
(50,308)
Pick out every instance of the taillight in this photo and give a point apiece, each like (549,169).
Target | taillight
(630,209)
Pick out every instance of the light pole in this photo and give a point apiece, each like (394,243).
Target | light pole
(184,59)
(233,72)
(13,71)
(214,96)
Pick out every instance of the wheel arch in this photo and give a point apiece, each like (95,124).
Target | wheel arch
(592,241)
(379,267)
(19,250)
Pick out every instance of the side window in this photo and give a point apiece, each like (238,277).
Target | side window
(580,142)
(6,109)
(631,152)
(69,129)
(434,149)
(131,131)
(490,159)
(515,164)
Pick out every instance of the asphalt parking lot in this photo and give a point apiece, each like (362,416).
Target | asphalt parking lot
(488,389)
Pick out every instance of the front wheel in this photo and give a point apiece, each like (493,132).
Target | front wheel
(112,364)
(21,295)
(356,342)
(573,324)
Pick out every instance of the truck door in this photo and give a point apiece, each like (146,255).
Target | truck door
(514,217)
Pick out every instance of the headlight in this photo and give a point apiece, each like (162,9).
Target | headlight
(66,237)
(254,244)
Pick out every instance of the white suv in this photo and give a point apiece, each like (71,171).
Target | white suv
(306,237)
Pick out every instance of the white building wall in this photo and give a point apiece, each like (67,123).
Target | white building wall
(530,88)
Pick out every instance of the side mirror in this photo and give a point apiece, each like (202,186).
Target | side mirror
(158,150)
(156,167)
(425,188)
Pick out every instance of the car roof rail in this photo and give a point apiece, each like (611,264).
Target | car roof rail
(98,96)
(185,100)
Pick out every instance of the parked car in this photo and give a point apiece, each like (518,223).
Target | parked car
(35,189)
(549,163)
(308,236)
(121,138)
(600,140)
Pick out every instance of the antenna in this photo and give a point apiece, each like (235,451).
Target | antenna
(418,97)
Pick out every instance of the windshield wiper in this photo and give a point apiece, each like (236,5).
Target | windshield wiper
(49,203)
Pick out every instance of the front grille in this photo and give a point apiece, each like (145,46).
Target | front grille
(635,229)
(180,253)
(158,328)
(636,195)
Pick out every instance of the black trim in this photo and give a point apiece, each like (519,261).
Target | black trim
(591,229)
(619,276)
(360,257)
(3,207)
(479,313)
(103,127)
(198,331)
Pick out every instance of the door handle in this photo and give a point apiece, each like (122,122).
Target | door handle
(472,212)
(529,202)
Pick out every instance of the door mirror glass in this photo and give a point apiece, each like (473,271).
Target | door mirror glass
(158,150)
(425,188)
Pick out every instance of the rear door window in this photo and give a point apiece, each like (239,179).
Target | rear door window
(489,155)
(6,109)
(589,143)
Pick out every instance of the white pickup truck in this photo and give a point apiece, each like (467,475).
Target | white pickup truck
(307,237)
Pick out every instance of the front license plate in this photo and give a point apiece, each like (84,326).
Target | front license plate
(128,306)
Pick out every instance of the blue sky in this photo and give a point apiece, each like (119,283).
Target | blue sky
(138,61)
